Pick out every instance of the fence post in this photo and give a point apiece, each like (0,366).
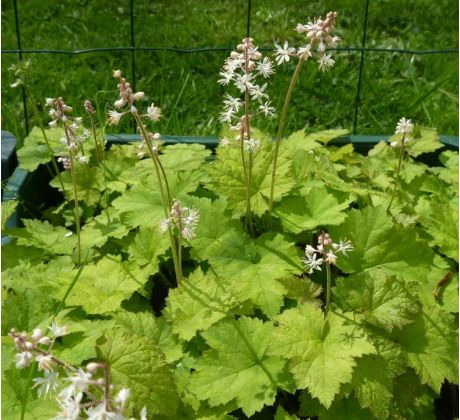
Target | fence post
(361,65)
(18,38)
(133,53)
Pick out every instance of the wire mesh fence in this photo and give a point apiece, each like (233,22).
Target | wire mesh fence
(362,51)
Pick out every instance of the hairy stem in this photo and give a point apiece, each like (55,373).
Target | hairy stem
(165,195)
(401,153)
(93,128)
(279,134)
(75,193)
(328,286)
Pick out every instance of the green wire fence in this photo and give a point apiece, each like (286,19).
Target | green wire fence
(363,50)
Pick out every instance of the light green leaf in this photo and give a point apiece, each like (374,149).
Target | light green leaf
(199,302)
(382,299)
(327,135)
(103,286)
(90,183)
(136,363)
(302,289)
(43,235)
(431,347)
(156,330)
(25,310)
(345,408)
(319,208)
(148,245)
(253,267)
(424,142)
(35,152)
(320,351)
(439,217)
(184,157)
(228,179)
(117,160)
(281,414)
(373,385)
(237,366)
(8,208)
(378,244)
(142,204)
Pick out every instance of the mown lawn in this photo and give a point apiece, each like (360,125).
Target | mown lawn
(421,87)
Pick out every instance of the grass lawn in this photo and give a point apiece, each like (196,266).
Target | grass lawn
(421,87)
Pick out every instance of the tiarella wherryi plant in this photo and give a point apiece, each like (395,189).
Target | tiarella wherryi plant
(181,307)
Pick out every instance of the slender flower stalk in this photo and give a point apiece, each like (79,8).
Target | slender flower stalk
(152,142)
(403,127)
(20,71)
(319,36)
(327,252)
(242,69)
(90,111)
(73,139)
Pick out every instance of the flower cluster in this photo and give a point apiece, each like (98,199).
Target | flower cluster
(183,218)
(75,134)
(404,127)
(326,251)
(128,98)
(319,35)
(243,69)
(83,391)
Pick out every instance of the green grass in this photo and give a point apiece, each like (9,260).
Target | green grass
(424,88)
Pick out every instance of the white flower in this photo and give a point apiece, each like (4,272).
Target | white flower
(57,330)
(311,263)
(326,62)
(117,74)
(226,116)
(120,103)
(47,383)
(153,112)
(343,246)
(83,159)
(304,52)
(226,78)
(49,101)
(164,225)
(267,110)
(301,28)
(258,92)
(17,83)
(282,54)
(23,359)
(114,117)
(144,413)
(224,142)
(79,383)
(265,67)
(309,250)
(37,333)
(404,126)
(53,124)
(331,258)
(251,145)
(45,362)
(122,397)
(70,408)
(394,143)
(231,103)
(100,413)
(138,96)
